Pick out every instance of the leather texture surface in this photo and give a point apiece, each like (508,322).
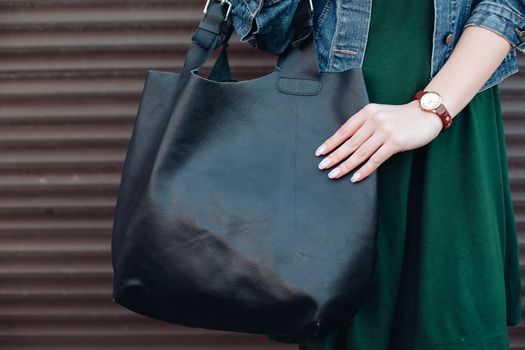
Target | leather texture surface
(223,220)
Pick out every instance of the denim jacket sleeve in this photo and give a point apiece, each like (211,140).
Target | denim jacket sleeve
(266,24)
(504,17)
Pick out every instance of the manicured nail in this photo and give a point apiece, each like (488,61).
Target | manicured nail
(355,177)
(334,172)
(324,163)
(320,149)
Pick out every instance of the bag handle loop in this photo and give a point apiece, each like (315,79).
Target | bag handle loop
(298,61)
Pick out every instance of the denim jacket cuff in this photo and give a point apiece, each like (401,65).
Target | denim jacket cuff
(502,20)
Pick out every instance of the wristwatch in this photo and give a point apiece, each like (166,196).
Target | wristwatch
(430,101)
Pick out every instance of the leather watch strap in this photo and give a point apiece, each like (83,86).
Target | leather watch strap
(440,110)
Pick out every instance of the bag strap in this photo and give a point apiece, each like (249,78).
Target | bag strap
(298,61)
(303,22)
(213,31)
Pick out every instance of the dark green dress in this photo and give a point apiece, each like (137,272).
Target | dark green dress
(448,273)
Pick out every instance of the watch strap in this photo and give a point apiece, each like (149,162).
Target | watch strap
(419,94)
(440,110)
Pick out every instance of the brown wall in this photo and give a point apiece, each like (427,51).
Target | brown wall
(71,73)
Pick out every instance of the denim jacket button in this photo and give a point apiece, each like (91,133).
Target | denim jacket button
(449,39)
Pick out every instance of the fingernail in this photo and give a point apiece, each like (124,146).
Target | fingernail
(324,163)
(355,177)
(334,172)
(320,149)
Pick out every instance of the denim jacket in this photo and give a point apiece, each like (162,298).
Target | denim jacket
(341,29)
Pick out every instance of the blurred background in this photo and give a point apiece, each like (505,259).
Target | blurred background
(71,74)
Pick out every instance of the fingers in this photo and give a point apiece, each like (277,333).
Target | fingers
(345,131)
(362,153)
(373,134)
(349,146)
(379,157)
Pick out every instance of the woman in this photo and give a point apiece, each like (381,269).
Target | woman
(448,274)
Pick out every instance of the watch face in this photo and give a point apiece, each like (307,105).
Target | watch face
(430,100)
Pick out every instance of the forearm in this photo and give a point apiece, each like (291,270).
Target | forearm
(475,58)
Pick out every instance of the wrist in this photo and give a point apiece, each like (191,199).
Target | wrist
(447,99)
(433,119)
(432,102)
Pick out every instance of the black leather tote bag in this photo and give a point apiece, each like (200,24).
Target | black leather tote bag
(223,220)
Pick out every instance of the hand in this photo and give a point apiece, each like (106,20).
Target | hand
(377,131)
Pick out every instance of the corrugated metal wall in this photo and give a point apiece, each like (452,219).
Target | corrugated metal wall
(513,105)
(71,73)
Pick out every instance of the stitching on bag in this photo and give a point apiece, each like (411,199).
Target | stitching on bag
(278,86)
(295,170)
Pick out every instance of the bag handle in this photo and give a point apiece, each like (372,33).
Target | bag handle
(298,61)
(213,31)
(300,58)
